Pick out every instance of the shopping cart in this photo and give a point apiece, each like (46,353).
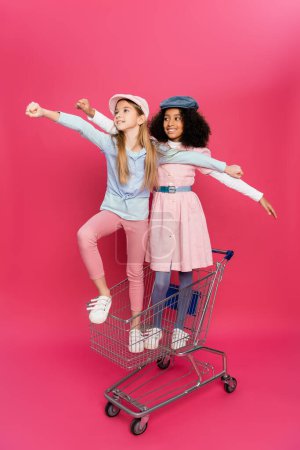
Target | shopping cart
(149,385)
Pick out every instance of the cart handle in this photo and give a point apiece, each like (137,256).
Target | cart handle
(228,253)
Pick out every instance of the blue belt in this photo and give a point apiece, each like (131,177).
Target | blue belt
(173,189)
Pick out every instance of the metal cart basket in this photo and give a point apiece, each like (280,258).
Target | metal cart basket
(155,380)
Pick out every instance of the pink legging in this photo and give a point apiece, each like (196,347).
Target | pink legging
(103,224)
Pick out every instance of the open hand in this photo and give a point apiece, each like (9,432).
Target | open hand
(34,110)
(85,106)
(234,171)
(268,207)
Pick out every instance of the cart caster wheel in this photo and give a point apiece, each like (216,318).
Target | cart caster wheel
(111,410)
(135,427)
(230,385)
(163,363)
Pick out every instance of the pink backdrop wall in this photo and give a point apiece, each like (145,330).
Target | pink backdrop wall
(240,60)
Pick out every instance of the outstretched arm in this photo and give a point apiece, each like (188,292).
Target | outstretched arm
(245,189)
(76,123)
(36,111)
(201,160)
(96,117)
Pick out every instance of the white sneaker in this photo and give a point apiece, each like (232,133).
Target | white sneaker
(153,335)
(179,339)
(136,341)
(99,308)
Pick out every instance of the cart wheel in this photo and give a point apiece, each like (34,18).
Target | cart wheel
(111,410)
(135,427)
(230,385)
(163,363)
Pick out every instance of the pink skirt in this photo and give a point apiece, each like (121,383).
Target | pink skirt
(178,235)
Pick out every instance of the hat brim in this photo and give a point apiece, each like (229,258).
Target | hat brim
(112,103)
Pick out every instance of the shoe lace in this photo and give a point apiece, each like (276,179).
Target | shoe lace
(102,303)
(135,335)
(151,332)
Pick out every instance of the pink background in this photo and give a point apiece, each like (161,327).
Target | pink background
(240,59)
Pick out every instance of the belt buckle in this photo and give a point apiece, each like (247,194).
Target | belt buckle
(172,189)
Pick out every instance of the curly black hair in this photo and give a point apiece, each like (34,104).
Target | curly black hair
(196,130)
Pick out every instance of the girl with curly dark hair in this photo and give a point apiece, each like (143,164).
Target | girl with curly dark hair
(194,132)
(178,235)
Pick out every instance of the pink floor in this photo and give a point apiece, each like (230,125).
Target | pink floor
(52,392)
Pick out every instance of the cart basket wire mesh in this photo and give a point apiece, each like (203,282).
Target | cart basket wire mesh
(111,338)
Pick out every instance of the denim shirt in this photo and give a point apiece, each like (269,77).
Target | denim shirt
(131,200)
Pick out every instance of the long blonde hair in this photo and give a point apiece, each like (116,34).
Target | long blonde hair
(143,139)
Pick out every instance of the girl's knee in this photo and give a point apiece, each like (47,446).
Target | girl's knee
(85,237)
(135,273)
(160,286)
